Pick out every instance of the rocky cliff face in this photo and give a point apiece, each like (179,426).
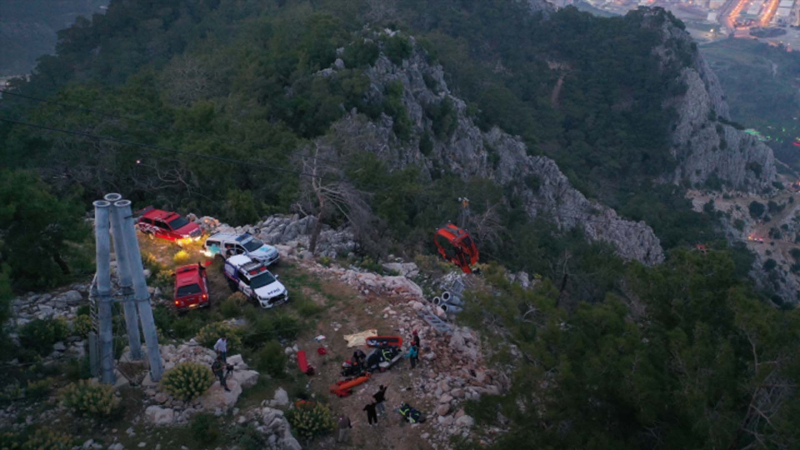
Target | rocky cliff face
(704,143)
(470,152)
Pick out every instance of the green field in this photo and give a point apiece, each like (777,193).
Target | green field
(762,87)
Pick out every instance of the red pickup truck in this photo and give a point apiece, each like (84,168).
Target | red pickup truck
(168,225)
(191,287)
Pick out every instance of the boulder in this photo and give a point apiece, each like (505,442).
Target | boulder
(159,416)
(281,397)
(69,298)
(465,421)
(237,362)
(443,409)
(217,398)
(245,378)
(59,346)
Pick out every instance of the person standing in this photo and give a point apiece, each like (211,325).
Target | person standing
(372,415)
(344,428)
(380,398)
(413,356)
(218,368)
(415,339)
(221,347)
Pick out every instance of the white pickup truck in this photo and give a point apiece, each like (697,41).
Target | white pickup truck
(254,280)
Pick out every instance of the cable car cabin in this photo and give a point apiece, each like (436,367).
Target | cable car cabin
(456,246)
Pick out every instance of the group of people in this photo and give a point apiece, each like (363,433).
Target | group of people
(377,407)
(374,409)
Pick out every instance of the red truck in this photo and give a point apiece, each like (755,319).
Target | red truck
(168,225)
(191,287)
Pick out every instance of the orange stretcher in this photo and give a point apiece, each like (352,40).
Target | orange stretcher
(345,387)
(302,363)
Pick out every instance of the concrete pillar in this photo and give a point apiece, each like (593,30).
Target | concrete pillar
(140,292)
(125,284)
(104,300)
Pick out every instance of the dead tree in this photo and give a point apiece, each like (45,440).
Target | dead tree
(326,193)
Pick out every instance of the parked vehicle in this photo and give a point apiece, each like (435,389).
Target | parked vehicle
(254,280)
(191,287)
(227,245)
(168,225)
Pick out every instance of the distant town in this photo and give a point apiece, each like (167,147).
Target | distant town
(774,21)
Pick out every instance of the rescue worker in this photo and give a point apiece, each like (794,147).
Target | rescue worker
(344,428)
(413,356)
(380,398)
(372,415)
(415,339)
(218,368)
(405,411)
(221,347)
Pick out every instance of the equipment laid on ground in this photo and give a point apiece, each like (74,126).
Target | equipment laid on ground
(380,341)
(380,355)
(412,415)
(345,387)
(302,363)
(457,246)
(435,322)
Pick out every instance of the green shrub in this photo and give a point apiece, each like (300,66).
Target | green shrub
(325,261)
(90,398)
(38,389)
(272,359)
(263,328)
(164,279)
(232,306)
(81,326)
(770,264)
(83,310)
(77,369)
(181,258)
(152,263)
(397,48)
(40,334)
(188,380)
(204,428)
(310,420)
(210,333)
(756,209)
(42,439)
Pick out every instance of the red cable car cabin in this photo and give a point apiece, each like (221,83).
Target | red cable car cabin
(460,248)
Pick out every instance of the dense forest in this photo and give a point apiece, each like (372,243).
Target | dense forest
(204,106)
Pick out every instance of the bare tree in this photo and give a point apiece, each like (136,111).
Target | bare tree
(326,193)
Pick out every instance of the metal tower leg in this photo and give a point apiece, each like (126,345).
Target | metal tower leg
(124,274)
(103,244)
(141,294)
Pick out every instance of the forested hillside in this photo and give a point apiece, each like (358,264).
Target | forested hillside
(28,29)
(231,108)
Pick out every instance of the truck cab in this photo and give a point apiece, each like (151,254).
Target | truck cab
(227,245)
(253,279)
(191,287)
(168,225)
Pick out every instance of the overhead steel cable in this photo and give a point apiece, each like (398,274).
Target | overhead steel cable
(145,122)
(159,148)
(255,163)
(84,109)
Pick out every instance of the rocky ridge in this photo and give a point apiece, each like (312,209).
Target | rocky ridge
(473,153)
(705,144)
